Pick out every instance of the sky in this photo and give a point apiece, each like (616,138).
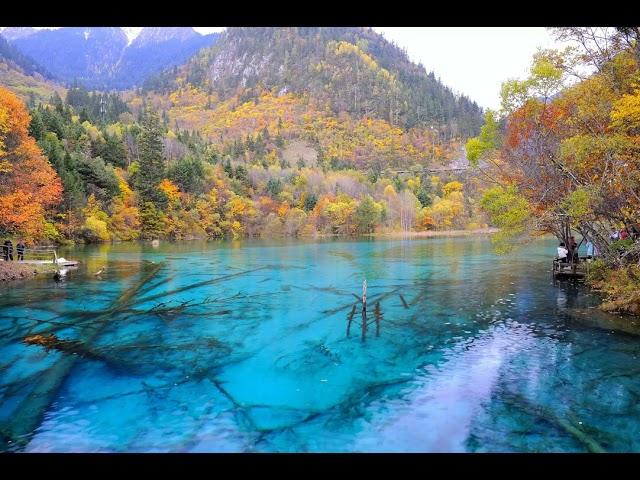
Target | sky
(473,61)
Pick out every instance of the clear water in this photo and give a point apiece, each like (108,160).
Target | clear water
(478,355)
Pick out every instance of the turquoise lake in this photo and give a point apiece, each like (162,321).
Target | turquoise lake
(243,347)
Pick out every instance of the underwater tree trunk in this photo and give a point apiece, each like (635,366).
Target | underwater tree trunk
(28,416)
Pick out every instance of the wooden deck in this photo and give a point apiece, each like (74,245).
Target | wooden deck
(570,270)
(60,263)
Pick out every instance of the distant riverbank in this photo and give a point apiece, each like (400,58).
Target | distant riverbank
(441,233)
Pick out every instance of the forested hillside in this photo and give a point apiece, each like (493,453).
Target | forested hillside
(24,76)
(15,59)
(349,70)
(271,132)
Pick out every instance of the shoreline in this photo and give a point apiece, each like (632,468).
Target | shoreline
(440,233)
(14,271)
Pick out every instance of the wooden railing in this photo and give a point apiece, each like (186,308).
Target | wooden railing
(44,253)
(565,266)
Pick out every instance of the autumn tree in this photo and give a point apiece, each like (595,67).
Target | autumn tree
(367,215)
(29,187)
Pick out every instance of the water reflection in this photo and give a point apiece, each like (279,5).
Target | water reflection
(258,346)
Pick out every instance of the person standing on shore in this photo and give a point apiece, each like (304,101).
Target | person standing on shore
(8,250)
(20,250)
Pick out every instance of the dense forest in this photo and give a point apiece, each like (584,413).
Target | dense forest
(348,70)
(341,134)
(122,181)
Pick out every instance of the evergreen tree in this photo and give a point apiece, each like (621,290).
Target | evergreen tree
(113,151)
(84,116)
(279,140)
(367,215)
(310,202)
(187,173)
(274,186)
(228,168)
(36,127)
(152,220)
(423,196)
(152,162)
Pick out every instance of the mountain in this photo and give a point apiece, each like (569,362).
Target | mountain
(87,55)
(103,57)
(16,59)
(349,70)
(24,76)
(156,48)
(348,94)
(154,35)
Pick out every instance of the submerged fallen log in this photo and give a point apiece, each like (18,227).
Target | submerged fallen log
(404,302)
(75,347)
(377,313)
(350,319)
(29,414)
(551,417)
(50,342)
(596,318)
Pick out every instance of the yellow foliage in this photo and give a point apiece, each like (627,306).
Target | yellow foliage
(170,189)
(414,183)
(450,187)
(97,228)
(625,115)
(283,209)
(389,191)
(125,221)
(92,131)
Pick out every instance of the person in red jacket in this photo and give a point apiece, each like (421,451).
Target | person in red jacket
(573,249)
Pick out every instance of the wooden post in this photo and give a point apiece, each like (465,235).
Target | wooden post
(364,309)
(364,294)
(353,311)
(364,323)
(378,316)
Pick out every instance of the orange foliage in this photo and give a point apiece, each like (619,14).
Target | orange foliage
(29,187)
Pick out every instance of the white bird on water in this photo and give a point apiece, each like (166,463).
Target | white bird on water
(60,274)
